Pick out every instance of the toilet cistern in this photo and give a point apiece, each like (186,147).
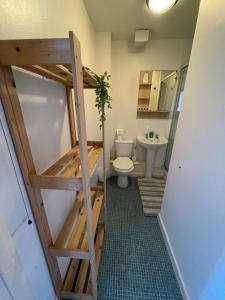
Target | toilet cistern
(151,146)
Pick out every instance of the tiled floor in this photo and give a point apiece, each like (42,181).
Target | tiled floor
(135,264)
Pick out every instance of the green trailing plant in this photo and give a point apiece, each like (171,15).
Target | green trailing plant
(103,99)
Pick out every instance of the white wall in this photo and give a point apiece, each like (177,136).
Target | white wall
(127,62)
(44,102)
(193,210)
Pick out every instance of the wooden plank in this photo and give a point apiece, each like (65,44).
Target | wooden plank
(92,160)
(70,276)
(72,168)
(47,74)
(98,250)
(72,270)
(56,167)
(95,216)
(88,78)
(69,223)
(56,182)
(82,136)
(17,128)
(97,188)
(79,287)
(60,71)
(71,115)
(70,236)
(83,272)
(35,52)
(79,232)
(72,296)
(84,246)
(89,81)
(94,143)
(76,253)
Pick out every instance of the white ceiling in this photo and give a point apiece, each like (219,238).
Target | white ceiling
(123,17)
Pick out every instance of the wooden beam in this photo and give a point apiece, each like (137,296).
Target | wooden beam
(95,216)
(72,296)
(76,253)
(82,136)
(92,161)
(60,71)
(59,165)
(88,78)
(93,143)
(71,114)
(47,74)
(69,223)
(72,168)
(35,52)
(98,250)
(18,132)
(56,182)
(97,188)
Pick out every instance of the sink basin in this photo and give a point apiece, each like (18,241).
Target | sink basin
(151,146)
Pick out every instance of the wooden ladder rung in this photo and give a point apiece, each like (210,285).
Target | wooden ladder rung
(73,239)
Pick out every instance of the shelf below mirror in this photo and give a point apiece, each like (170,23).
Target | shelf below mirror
(148,114)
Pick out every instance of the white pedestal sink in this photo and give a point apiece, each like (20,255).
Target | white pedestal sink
(151,146)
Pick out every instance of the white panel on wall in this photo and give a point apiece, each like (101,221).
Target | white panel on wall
(14,212)
(24,260)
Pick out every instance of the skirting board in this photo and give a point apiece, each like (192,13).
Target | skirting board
(175,265)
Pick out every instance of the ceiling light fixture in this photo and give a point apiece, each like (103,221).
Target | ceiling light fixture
(160,6)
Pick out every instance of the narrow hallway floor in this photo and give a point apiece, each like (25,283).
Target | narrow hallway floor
(135,264)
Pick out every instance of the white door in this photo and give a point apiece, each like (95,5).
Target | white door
(23,271)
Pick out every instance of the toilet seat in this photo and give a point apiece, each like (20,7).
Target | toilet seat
(123,164)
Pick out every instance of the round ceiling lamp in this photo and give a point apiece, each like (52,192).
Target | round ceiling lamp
(160,6)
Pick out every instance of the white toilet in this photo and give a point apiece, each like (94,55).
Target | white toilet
(123,165)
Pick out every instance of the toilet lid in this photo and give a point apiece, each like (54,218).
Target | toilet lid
(123,163)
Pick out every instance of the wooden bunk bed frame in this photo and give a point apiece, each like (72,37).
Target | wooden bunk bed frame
(81,236)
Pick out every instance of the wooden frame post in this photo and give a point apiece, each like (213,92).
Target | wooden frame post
(18,132)
(82,137)
(71,115)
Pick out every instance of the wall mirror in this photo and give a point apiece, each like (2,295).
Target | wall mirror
(156,94)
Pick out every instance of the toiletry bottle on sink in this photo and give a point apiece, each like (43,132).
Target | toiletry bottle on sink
(151,134)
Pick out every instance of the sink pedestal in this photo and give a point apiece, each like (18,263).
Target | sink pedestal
(151,146)
(150,159)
